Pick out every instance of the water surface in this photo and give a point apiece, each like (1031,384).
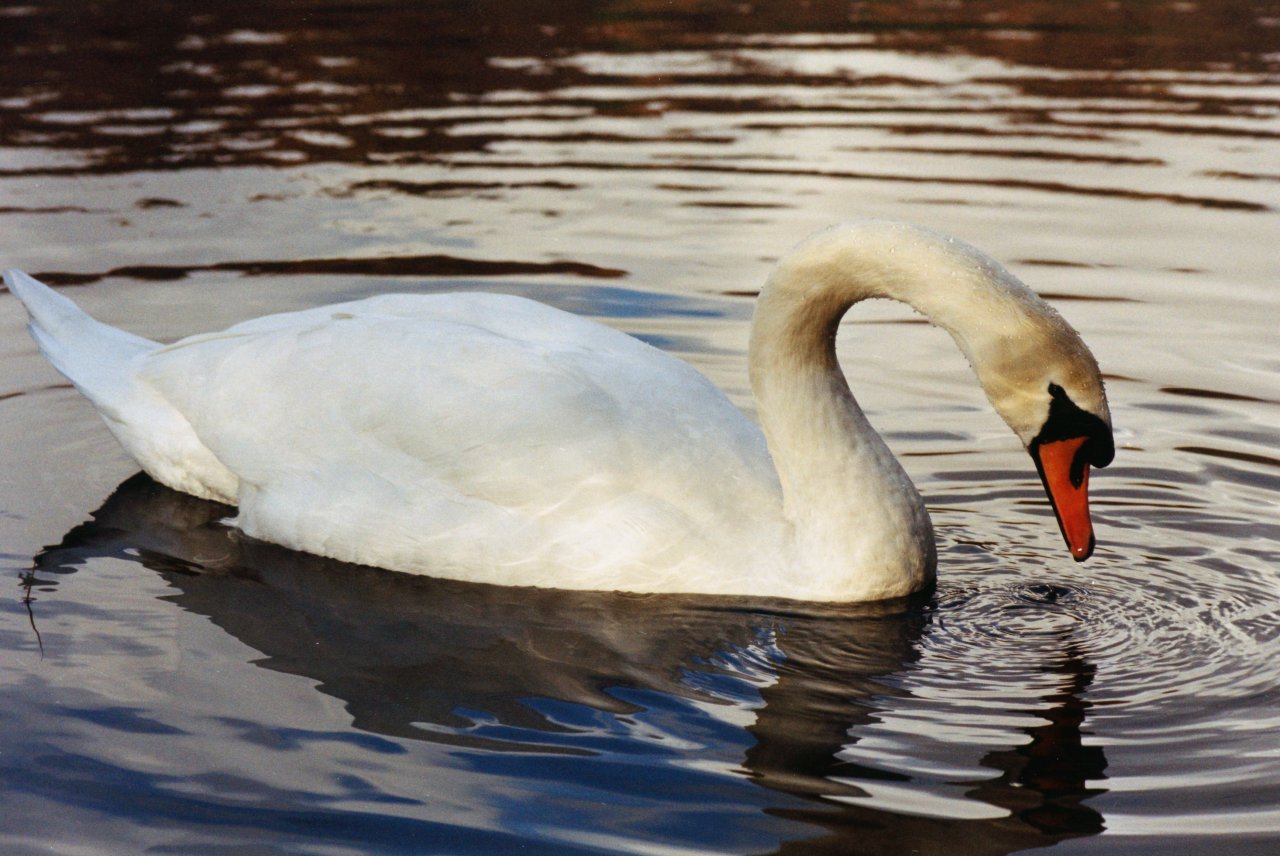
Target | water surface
(169,687)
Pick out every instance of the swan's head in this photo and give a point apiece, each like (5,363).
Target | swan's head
(1033,366)
(1069,442)
(1046,385)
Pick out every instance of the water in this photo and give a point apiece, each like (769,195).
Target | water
(169,687)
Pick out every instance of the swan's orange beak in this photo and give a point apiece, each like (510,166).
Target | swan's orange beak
(1066,479)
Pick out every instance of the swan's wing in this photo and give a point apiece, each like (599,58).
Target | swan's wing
(467,405)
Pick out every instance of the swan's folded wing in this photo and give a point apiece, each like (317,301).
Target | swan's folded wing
(495,400)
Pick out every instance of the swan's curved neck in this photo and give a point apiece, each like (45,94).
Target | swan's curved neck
(857,518)
(850,502)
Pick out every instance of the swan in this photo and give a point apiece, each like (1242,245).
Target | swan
(494,439)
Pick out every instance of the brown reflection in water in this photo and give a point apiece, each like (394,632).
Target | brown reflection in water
(1190,392)
(156,86)
(420,266)
(1243,457)
(1013,154)
(452,188)
(1243,176)
(903,178)
(50,209)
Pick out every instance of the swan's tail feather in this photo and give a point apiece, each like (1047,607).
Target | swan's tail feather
(93,356)
(103,363)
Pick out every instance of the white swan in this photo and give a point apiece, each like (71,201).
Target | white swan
(494,439)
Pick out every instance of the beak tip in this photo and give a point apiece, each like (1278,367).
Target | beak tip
(1084,551)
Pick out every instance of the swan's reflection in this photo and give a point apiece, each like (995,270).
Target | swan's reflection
(1041,784)
(410,656)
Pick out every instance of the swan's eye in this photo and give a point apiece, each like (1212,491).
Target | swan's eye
(1067,420)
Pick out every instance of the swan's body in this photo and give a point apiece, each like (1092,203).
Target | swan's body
(494,439)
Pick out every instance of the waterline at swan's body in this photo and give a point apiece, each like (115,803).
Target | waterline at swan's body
(495,439)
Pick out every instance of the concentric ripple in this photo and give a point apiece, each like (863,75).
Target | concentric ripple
(1152,678)
(1156,632)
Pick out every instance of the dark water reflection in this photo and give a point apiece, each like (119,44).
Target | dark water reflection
(387,82)
(492,669)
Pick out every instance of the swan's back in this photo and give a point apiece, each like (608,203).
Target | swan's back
(425,432)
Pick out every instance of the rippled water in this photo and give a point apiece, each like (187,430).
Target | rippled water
(169,687)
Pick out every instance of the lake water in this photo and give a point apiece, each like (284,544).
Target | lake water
(167,687)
